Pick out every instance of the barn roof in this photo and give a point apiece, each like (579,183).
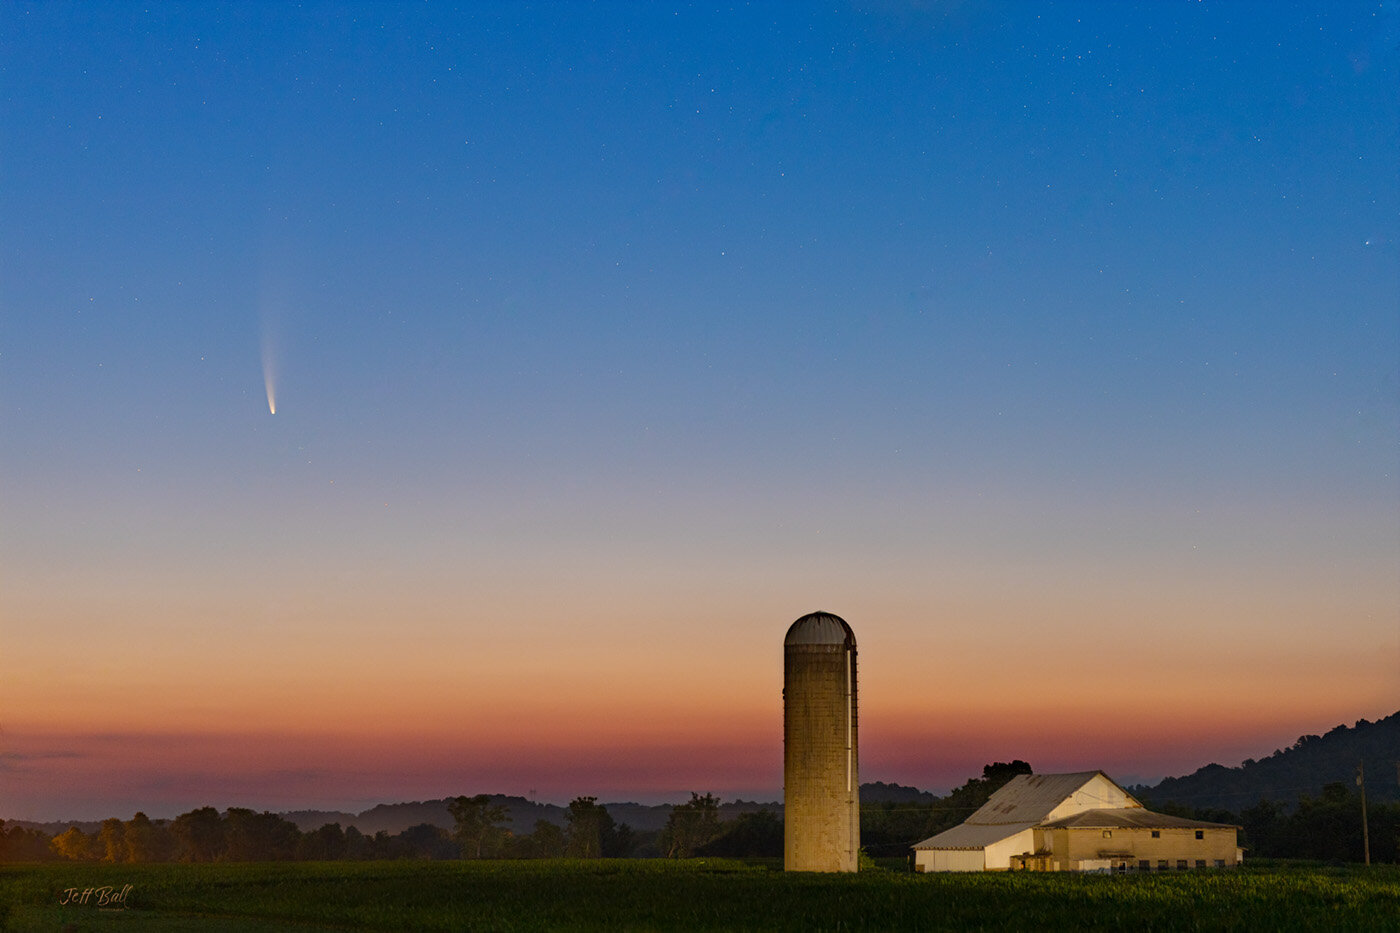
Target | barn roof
(1022,802)
(973,835)
(1129,818)
(1031,797)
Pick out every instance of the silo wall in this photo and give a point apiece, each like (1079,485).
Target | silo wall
(821,773)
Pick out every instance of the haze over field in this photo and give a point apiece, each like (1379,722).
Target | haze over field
(399,403)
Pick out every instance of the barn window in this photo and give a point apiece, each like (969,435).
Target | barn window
(1220,863)
(1200,834)
(1163,865)
(1200,863)
(1108,834)
(1156,834)
(1181,863)
(1145,864)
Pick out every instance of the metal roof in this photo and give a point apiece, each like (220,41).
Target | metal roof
(820,628)
(973,835)
(1023,802)
(1031,797)
(1130,818)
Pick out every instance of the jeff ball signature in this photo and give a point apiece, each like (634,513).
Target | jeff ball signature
(108,896)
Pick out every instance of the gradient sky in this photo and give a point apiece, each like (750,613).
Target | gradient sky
(1055,346)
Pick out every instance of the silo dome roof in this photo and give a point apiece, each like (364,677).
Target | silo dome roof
(820,628)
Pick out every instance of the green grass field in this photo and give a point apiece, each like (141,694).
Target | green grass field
(690,895)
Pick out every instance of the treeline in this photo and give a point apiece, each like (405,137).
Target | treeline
(481,830)
(692,828)
(1325,827)
(242,835)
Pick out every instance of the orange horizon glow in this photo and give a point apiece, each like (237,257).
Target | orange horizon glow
(311,676)
(289,769)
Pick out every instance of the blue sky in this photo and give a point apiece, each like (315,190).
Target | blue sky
(904,307)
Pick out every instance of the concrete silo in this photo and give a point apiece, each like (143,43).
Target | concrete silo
(821,777)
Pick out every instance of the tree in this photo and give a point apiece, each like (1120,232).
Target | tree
(618,841)
(422,841)
(323,845)
(73,844)
(1265,825)
(140,836)
(589,826)
(258,837)
(19,844)
(147,841)
(111,841)
(477,831)
(547,841)
(357,844)
(381,845)
(1327,826)
(998,773)
(752,835)
(199,835)
(690,826)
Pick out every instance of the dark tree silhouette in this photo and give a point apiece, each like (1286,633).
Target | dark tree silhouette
(147,841)
(690,826)
(422,841)
(258,837)
(326,844)
(478,829)
(111,841)
(589,825)
(547,841)
(199,835)
(752,835)
(21,844)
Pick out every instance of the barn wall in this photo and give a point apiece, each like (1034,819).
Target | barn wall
(948,860)
(998,854)
(1077,845)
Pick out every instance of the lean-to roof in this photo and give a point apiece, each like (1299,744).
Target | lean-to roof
(973,835)
(1129,818)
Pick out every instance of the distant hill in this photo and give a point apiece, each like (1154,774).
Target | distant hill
(54,827)
(394,818)
(1287,774)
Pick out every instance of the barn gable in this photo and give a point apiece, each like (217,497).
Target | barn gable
(1035,798)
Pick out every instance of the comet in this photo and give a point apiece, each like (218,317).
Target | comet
(269,366)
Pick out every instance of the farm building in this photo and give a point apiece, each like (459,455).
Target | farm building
(1075,822)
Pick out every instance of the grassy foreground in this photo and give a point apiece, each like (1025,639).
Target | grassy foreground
(704,894)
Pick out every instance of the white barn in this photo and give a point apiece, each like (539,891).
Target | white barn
(1075,822)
